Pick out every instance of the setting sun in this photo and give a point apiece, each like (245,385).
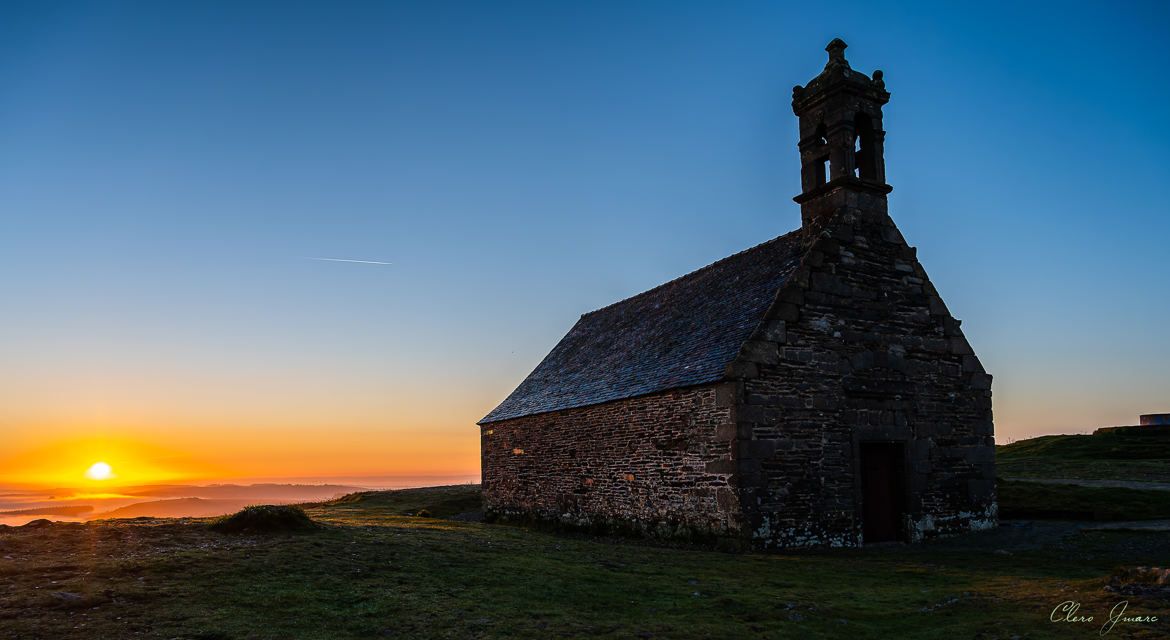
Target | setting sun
(99,471)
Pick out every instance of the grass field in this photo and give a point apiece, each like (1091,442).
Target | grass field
(1023,499)
(374,573)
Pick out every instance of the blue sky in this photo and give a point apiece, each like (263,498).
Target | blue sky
(168,170)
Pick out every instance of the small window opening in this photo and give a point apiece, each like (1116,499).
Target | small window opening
(822,165)
(864,155)
(857,156)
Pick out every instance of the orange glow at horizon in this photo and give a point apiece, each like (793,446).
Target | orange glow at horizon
(97,462)
(212,455)
(149,437)
(94,496)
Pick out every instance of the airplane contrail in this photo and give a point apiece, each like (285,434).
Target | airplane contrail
(346,260)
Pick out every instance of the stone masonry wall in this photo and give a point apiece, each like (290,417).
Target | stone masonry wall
(859,347)
(659,464)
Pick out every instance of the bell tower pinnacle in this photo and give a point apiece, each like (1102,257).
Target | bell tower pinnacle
(841,141)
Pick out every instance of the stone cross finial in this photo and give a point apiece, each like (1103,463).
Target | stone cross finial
(836,50)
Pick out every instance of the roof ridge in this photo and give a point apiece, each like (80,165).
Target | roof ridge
(691,273)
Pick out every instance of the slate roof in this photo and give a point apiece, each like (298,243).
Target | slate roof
(682,333)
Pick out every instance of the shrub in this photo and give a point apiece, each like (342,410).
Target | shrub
(266,519)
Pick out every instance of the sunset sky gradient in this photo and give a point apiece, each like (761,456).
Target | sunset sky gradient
(170,173)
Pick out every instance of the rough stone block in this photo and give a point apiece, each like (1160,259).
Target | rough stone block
(979,454)
(774,330)
(721,466)
(742,369)
(794,295)
(786,311)
(971,364)
(757,448)
(980,381)
(751,413)
(980,489)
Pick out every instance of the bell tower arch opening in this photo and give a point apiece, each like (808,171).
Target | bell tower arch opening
(841,139)
(863,150)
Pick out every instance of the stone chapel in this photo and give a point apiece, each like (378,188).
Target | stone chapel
(812,390)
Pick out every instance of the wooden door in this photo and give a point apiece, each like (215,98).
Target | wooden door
(881,489)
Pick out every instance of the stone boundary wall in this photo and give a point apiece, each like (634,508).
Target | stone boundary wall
(1138,430)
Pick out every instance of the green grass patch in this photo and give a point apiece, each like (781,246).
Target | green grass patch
(1127,470)
(1139,453)
(436,502)
(1020,499)
(1118,443)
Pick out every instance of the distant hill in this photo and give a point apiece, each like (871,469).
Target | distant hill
(1139,453)
(63,510)
(1150,442)
(264,492)
(439,502)
(177,508)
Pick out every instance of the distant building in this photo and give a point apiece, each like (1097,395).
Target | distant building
(812,390)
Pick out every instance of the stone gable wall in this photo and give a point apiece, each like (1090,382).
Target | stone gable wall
(859,347)
(659,465)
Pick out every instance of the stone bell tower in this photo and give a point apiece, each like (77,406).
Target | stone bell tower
(841,142)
